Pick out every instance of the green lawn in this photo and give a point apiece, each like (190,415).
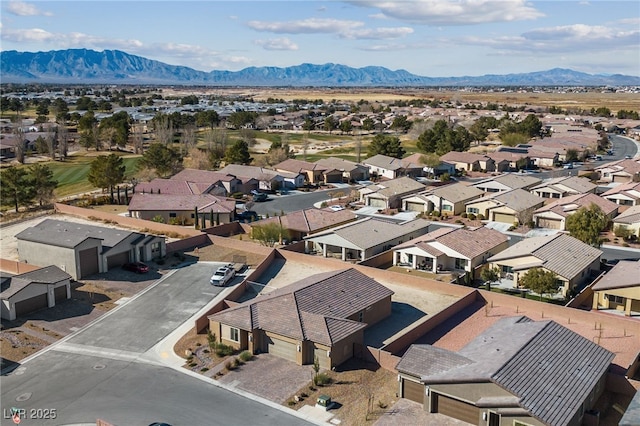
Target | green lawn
(72,174)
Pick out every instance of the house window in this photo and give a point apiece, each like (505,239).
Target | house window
(473,210)
(447,208)
(409,258)
(461,263)
(616,299)
(172,214)
(507,269)
(155,248)
(192,216)
(234,334)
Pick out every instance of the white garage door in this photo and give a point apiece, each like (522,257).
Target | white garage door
(504,218)
(549,223)
(415,207)
(376,202)
(281,348)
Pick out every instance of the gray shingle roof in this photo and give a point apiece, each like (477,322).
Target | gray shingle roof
(549,368)
(47,275)
(560,253)
(518,199)
(69,234)
(629,216)
(457,192)
(315,308)
(554,373)
(371,232)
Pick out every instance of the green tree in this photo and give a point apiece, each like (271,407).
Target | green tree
(16,187)
(165,160)
(586,224)
(386,145)
(539,281)
(269,234)
(530,126)
(330,124)
(240,119)
(368,124)
(238,153)
(117,128)
(572,155)
(346,126)
(490,275)
(513,139)
(43,182)
(107,171)
(207,118)
(401,124)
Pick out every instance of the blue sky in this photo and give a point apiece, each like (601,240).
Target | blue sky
(425,37)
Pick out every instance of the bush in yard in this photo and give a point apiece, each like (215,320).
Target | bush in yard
(480,216)
(223,350)
(322,379)
(464,215)
(471,216)
(230,365)
(245,356)
(237,362)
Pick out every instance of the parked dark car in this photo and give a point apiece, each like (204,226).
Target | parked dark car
(137,267)
(259,196)
(247,216)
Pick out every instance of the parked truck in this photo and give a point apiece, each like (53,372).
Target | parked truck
(225,274)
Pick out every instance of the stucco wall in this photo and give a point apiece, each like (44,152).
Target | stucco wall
(46,255)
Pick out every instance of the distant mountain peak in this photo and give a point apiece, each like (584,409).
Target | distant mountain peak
(86,66)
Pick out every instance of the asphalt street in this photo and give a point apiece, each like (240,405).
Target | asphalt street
(291,202)
(109,370)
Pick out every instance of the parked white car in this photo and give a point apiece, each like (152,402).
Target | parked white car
(222,276)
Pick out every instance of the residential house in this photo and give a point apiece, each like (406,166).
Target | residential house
(268,180)
(563,186)
(83,250)
(181,209)
(302,223)
(341,171)
(415,160)
(629,220)
(514,207)
(391,167)
(470,162)
(503,377)
(28,292)
(627,170)
(313,173)
(446,199)
(619,288)
(554,215)
(507,182)
(515,158)
(365,238)
(388,194)
(573,261)
(208,182)
(450,249)
(321,317)
(625,194)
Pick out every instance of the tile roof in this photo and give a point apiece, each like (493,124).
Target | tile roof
(457,192)
(298,166)
(567,205)
(463,157)
(629,216)
(560,253)
(518,199)
(399,186)
(470,243)
(551,369)
(47,275)
(252,172)
(573,183)
(310,220)
(167,186)
(384,161)
(165,202)
(69,234)
(625,273)
(513,180)
(202,176)
(315,308)
(339,164)
(371,232)
(630,189)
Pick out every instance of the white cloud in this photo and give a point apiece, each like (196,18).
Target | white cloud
(567,38)
(21,8)
(343,29)
(305,26)
(277,44)
(454,12)
(377,33)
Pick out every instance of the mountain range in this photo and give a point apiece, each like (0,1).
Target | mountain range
(84,66)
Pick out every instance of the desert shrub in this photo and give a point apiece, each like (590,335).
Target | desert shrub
(322,379)
(229,365)
(511,228)
(193,364)
(158,218)
(303,395)
(245,356)
(436,213)
(291,403)
(471,216)
(223,350)
(464,215)
(480,216)
(458,221)
(324,205)
(237,362)
(203,369)
(237,195)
